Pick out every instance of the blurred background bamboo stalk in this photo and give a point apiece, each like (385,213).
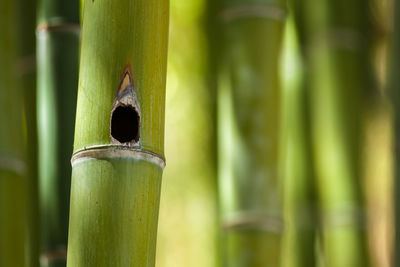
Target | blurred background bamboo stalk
(335,44)
(301,220)
(27,74)
(248,132)
(57,80)
(14,192)
(377,144)
(189,188)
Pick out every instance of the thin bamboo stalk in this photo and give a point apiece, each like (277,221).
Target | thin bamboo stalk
(334,38)
(248,115)
(57,56)
(119,135)
(13,166)
(299,187)
(213,35)
(27,74)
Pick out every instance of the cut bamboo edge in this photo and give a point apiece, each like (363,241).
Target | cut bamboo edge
(273,12)
(116,152)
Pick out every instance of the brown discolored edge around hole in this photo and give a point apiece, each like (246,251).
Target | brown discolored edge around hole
(125,113)
(116,151)
(125,126)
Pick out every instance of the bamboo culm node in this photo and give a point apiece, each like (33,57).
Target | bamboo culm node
(124,130)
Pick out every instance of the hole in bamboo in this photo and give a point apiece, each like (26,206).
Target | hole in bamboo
(125,124)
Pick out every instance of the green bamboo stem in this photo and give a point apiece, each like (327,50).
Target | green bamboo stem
(119,135)
(248,115)
(13,166)
(57,57)
(27,74)
(213,31)
(335,44)
(299,188)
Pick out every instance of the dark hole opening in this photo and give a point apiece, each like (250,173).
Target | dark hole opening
(125,124)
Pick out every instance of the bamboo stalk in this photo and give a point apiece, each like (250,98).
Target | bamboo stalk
(57,55)
(214,39)
(119,135)
(248,115)
(334,38)
(13,166)
(299,189)
(27,74)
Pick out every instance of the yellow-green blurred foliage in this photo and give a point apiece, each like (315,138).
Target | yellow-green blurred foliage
(187,222)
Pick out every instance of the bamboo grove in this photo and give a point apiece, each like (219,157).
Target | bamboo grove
(279,121)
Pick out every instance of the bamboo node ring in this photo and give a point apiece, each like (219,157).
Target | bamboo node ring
(122,152)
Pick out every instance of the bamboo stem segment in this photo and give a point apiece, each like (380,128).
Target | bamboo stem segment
(301,220)
(119,136)
(57,60)
(334,39)
(248,115)
(27,73)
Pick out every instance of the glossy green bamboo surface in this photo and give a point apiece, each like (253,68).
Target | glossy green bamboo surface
(13,167)
(334,38)
(248,115)
(115,200)
(57,61)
